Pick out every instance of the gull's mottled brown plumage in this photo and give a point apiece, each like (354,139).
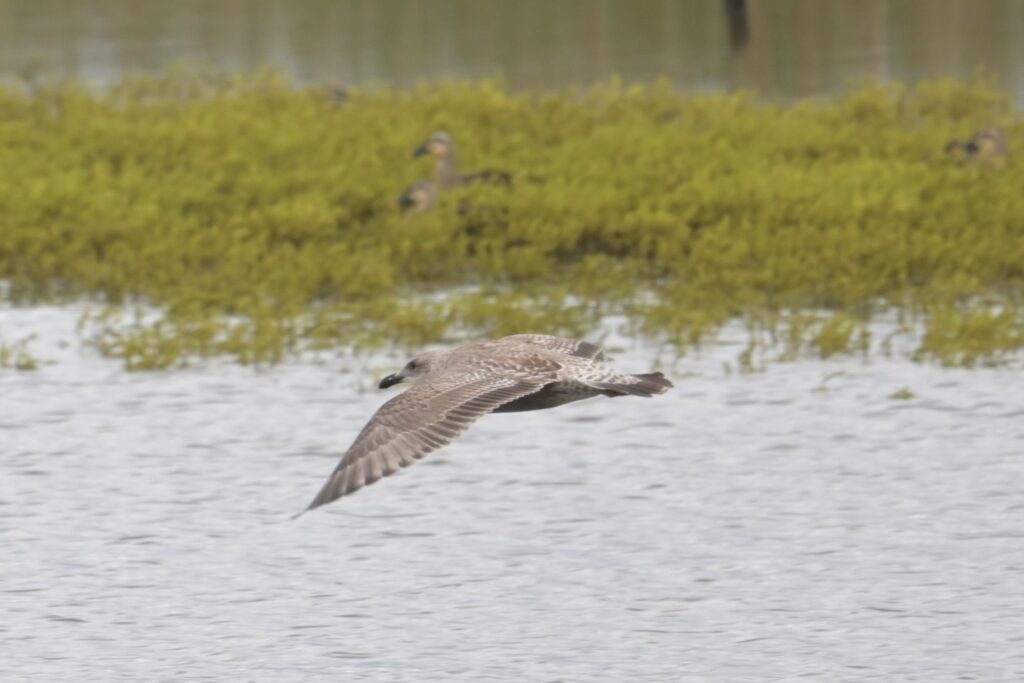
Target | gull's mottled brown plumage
(455,388)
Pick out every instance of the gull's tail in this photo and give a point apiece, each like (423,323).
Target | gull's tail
(646,385)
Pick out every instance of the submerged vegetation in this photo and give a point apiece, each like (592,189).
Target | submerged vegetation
(210,215)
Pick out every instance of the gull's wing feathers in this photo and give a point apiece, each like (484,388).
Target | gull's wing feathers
(427,416)
(569,347)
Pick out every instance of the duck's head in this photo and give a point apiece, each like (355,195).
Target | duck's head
(439,144)
(418,197)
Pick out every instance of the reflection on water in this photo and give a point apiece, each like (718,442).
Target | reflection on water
(742,527)
(790,48)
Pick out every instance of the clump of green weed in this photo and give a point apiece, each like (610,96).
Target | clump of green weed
(970,337)
(16,355)
(258,218)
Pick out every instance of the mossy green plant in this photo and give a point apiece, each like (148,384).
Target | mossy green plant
(904,394)
(256,218)
(17,356)
(966,338)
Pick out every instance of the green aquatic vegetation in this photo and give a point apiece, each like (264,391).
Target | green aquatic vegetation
(972,337)
(210,215)
(904,394)
(16,355)
(824,334)
(823,384)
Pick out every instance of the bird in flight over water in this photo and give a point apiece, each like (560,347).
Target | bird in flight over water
(452,389)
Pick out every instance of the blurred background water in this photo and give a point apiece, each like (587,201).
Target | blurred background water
(780,48)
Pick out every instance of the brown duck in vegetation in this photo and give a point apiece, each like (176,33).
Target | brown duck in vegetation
(988,146)
(446,169)
(418,197)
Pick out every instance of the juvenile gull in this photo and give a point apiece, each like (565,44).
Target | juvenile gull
(452,389)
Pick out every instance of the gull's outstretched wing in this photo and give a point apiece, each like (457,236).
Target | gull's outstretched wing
(429,415)
(564,345)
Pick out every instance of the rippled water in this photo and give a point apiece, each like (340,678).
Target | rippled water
(785,524)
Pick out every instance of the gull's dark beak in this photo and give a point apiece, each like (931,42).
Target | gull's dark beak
(390,381)
(419,151)
(403,202)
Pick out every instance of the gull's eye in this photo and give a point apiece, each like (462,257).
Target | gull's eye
(411,365)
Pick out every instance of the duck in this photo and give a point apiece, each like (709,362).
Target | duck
(988,146)
(418,197)
(440,145)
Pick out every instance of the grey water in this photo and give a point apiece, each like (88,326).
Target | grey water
(779,48)
(795,523)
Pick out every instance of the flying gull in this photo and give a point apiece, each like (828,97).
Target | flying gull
(452,389)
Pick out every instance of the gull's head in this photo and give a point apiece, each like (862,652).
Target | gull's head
(414,369)
(439,144)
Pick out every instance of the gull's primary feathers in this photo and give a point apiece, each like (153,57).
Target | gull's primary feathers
(452,389)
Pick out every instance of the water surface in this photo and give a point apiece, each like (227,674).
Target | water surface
(784,48)
(768,526)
